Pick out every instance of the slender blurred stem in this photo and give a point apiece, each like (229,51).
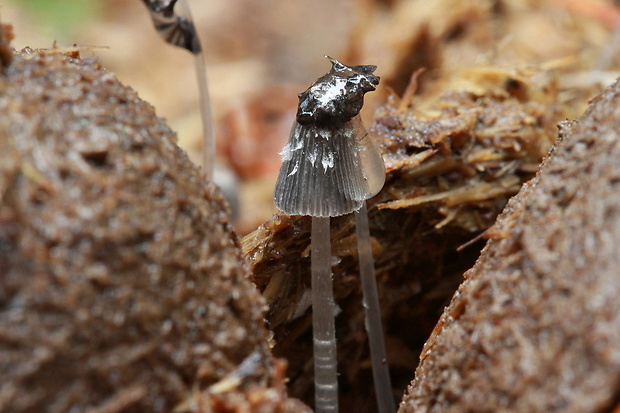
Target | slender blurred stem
(380,367)
(208,134)
(323,319)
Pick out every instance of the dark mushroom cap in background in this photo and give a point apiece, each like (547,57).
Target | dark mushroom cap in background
(122,285)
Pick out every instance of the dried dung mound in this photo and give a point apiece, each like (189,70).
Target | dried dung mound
(535,327)
(453,160)
(122,285)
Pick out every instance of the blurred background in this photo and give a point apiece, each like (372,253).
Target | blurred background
(260,54)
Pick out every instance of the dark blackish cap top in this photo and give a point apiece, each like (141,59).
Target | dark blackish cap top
(338,96)
(174,29)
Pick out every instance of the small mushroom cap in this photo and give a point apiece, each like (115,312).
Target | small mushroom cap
(174,29)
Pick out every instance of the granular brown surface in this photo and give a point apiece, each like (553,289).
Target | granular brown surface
(536,325)
(122,285)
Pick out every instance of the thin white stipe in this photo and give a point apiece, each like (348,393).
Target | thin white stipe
(323,319)
(208,134)
(380,367)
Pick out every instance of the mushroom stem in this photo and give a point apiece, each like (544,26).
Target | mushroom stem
(179,30)
(323,319)
(380,367)
(329,168)
(208,134)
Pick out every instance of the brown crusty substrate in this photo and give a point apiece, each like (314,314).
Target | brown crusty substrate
(122,285)
(535,327)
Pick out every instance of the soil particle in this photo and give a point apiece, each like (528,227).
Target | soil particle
(536,325)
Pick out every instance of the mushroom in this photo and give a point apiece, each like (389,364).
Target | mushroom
(180,31)
(330,167)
